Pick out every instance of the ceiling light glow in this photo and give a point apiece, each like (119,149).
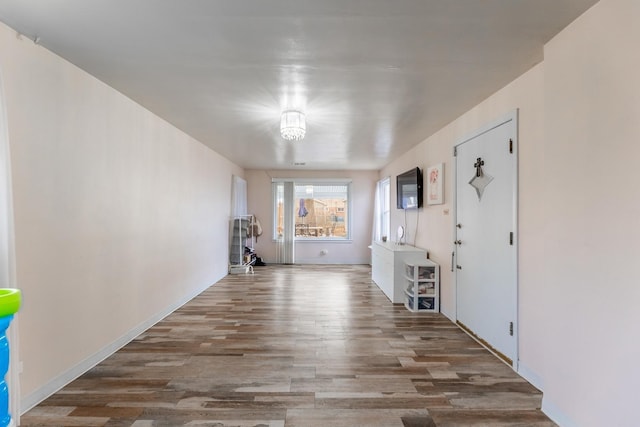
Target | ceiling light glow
(293,125)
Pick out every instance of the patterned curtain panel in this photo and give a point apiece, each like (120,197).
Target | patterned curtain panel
(285,231)
(381,210)
(238,197)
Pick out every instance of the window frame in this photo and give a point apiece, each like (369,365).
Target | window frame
(385,215)
(382,210)
(319,182)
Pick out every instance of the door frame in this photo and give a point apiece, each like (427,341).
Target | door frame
(512,116)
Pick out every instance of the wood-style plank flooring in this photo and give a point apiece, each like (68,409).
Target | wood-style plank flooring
(296,346)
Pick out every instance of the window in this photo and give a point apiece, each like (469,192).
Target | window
(382,210)
(320,210)
(386,209)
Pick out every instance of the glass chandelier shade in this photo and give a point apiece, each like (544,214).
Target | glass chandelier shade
(293,125)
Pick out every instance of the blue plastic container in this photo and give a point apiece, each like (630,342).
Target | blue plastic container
(5,417)
(10,300)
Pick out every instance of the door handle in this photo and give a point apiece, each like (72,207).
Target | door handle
(453,254)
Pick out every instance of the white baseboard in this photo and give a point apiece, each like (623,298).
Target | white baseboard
(65,378)
(556,414)
(548,407)
(531,376)
(448,315)
(325,260)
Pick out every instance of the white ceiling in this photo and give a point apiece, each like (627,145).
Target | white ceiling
(374,77)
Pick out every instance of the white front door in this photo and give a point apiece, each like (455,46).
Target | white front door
(486,250)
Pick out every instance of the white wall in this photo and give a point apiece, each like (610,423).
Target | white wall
(110,232)
(579,207)
(119,217)
(355,251)
(592,201)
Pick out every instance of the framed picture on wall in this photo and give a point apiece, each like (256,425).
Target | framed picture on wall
(435,187)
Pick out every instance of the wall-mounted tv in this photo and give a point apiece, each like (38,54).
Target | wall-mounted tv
(409,189)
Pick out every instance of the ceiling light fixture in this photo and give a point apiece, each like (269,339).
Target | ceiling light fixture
(293,125)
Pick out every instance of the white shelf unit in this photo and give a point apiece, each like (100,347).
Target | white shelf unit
(239,238)
(387,267)
(422,286)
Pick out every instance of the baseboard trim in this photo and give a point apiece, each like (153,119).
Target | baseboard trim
(328,261)
(447,314)
(531,376)
(57,383)
(556,414)
(323,261)
(486,345)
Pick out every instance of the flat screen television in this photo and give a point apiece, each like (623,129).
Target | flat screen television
(409,189)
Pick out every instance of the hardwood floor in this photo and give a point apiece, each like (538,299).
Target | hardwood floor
(297,346)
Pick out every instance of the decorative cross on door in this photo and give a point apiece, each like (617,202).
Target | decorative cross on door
(481,180)
(478,165)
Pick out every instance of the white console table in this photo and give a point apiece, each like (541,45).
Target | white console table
(387,267)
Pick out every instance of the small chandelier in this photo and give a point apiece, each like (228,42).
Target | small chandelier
(293,125)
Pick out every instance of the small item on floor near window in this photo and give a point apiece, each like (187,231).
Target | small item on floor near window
(249,255)
(241,269)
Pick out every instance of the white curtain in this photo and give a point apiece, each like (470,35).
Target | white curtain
(376,233)
(380,205)
(285,242)
(238,197)
(7,253)
(7,267)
